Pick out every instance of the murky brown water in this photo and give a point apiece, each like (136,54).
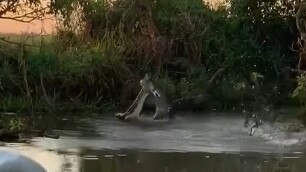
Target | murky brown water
(133,161)
(190,143)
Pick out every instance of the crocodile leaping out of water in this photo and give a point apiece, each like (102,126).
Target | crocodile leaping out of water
(163,109)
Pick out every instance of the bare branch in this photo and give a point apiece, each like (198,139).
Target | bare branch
(298,71)
(22,10)
(19,20)
(300,24)
(216,75)
(298,19)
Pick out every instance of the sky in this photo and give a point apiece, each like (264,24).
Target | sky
(9,26)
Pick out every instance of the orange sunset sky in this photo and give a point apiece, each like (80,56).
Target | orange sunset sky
(9,26)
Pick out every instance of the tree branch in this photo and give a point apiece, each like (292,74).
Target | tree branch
(19,20)
(9,7)
(298,19)
(22,11)
(216,75)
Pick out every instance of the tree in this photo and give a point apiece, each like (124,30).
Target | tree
(22,10)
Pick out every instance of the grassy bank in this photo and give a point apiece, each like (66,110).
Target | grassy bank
(181,43)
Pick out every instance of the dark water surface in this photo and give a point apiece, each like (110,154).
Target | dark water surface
(134,161)
(189,143)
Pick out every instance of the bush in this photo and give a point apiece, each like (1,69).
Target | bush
(102,45)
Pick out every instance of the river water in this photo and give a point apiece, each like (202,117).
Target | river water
(189,143)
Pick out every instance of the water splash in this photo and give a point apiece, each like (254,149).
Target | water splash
(280,134)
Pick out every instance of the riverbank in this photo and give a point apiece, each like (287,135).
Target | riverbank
(229,58)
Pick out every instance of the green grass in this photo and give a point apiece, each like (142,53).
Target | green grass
(96,67)
(34,40)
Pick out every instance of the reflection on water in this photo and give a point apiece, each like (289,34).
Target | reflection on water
(133,161)
(89,160)
(51,161)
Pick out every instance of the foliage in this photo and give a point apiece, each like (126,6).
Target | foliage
(300,91)
(104,46)
(21,10)
(300,94)
(11,123)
